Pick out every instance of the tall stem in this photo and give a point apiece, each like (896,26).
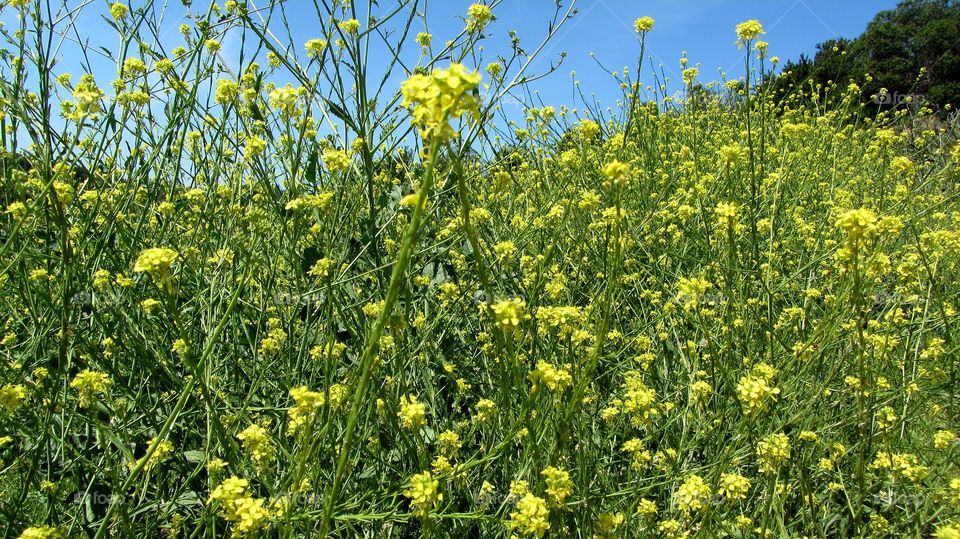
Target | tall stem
(373,338)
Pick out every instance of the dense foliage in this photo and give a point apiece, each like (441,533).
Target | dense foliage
(234,306)
(907,56)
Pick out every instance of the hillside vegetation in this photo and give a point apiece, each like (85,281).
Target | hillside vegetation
(232,306)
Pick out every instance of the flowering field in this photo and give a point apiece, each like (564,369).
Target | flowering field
(290,300)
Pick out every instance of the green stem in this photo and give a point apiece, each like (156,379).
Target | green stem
(178,407)
(373,339)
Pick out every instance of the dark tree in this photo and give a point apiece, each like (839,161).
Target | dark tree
(912,50)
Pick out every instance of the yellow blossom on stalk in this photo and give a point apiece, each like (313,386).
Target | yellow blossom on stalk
(42,532)
(318,201)
(485,410)
(900,465)
(164,448)
(88,96)
(953,498)
(254,147)
(671,529)
(89,384)
(509,313)
(216,466)
(133,67)
(307,404)
(886,417)
(726,213)
(607,523)
(17,210)
(559,485)
(441,465)
(256,440)
(180,347)
(647,508)
(944,439)
(118,11)
(733,486)
(247,513)
(755,392)
(947,531)
(449,442)
(424,493)
(284,99)
(588,129)
(315,47)
(350,26)
(556,379)
(336,160)
(40,275)
(478,16)
(643,24)
(519,489)
(273,342)
(321,269)
(731,154)
(11,396)
(566,319)
(412,414)
(748,30)
(902,166)
(773,452)
(531,516)
(486,491)
(424,39)
(878,525)
(859,224)
(700,391)
(436,98)
(641,456)
(156,262)
(616,173)
(691,291)
(693,495)
(639,401)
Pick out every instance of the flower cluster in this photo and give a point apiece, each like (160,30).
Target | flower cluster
(693,495)
(307,404)
(256,441)
(559,485)
(755,393)
(156,261)
(531,516)
(436,98)
(412,413)
(643,24)
(773,452)
(424,493)
(509,313)
(478,17)
(734,486)
(246,512)
(89,384)
(748,30)
(556,379)
(11,396)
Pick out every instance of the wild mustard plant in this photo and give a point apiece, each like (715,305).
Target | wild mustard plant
(284,295)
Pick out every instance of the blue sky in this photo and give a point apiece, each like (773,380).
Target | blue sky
(702,28)
(601,31)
